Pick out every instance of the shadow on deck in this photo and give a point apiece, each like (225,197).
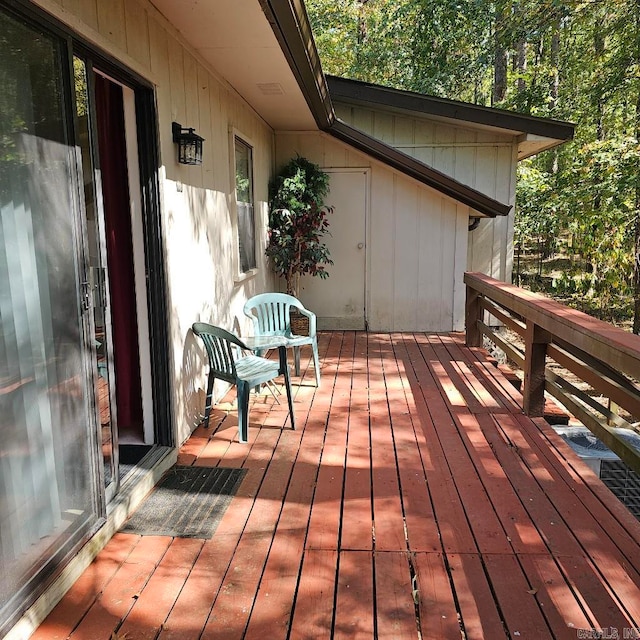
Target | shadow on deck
(414,500)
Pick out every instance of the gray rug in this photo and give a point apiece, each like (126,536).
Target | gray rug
(188,502)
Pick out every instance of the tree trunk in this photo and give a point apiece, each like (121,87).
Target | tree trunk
(555,83)
(636,245)
(500,75)
(362,25)
(522,66)
(500,60)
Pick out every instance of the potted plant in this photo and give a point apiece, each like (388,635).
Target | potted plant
(298,222)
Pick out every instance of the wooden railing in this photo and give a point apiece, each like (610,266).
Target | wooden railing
(605,357)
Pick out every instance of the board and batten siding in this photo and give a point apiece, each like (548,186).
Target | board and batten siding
(482,159)
(416,241)
(197,202)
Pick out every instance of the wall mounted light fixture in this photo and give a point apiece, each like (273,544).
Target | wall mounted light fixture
(189,144)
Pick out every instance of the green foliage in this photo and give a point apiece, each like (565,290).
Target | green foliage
(298,221)
(576,61)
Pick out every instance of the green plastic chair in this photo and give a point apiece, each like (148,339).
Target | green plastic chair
(271,316)
(246,371)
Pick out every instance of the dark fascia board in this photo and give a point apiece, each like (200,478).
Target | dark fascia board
(290,24)
(366,93)
(410,166)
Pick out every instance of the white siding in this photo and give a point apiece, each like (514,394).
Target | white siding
(197,212)
(417,241)
(480,159)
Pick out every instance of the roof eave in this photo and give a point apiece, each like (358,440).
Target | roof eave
(290,23)
(433,178)
(366,93)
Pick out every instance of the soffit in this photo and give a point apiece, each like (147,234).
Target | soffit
(236,39)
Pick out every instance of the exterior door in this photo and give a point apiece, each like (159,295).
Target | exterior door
(116,271)
(48,449)
(79,223)
(339,301)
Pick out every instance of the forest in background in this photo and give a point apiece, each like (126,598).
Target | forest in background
(577,224)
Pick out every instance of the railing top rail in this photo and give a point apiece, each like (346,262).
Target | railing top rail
(610,344)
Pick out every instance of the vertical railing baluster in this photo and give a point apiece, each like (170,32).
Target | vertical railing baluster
(535,357)
(473,313)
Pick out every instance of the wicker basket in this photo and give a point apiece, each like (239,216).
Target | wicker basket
(299,323)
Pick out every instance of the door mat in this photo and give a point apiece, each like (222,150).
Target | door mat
(188,502)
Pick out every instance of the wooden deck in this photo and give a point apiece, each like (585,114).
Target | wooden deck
(413,501)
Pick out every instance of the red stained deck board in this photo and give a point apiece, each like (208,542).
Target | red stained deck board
(123,591)
(274,601)
(452,521)
(496,381)
(272,608)
(354,616)
(193,448)
(559,603)
(324,523)
(488,531)
(438,616)
(541,509)
(456,384)
(473,377)
(393,408)
(193,605)
(395,605)
(601,605)
(314,607)
(357,522)
(520,531)
(590,532)
(388,514)
(479,616)
(233,604)
(569,529)
(147,616)
(357,526)
(73,606)
(624,529)
(421,527)
(520,609)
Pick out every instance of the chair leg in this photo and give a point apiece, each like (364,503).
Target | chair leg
(258,352)
(316,361)
(296,359)
(208,401)
(243,412)
(284,370)
(287,384)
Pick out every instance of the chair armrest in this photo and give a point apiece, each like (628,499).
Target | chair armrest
(312,320)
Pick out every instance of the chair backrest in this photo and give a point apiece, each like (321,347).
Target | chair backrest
(270,313)
(219,344)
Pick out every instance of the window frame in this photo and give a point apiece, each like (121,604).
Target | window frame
(239,275)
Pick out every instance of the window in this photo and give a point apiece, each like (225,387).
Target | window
(244,204)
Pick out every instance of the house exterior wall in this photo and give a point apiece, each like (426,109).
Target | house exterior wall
(483,160)
(416,241)
(198,204)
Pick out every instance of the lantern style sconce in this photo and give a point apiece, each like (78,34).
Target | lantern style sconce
(189,144)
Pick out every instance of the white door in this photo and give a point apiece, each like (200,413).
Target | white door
(339,300)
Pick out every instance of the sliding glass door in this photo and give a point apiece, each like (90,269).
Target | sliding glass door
(81,296)
(49,497)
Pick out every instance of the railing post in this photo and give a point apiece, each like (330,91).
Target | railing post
(535,356)
(473,313)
